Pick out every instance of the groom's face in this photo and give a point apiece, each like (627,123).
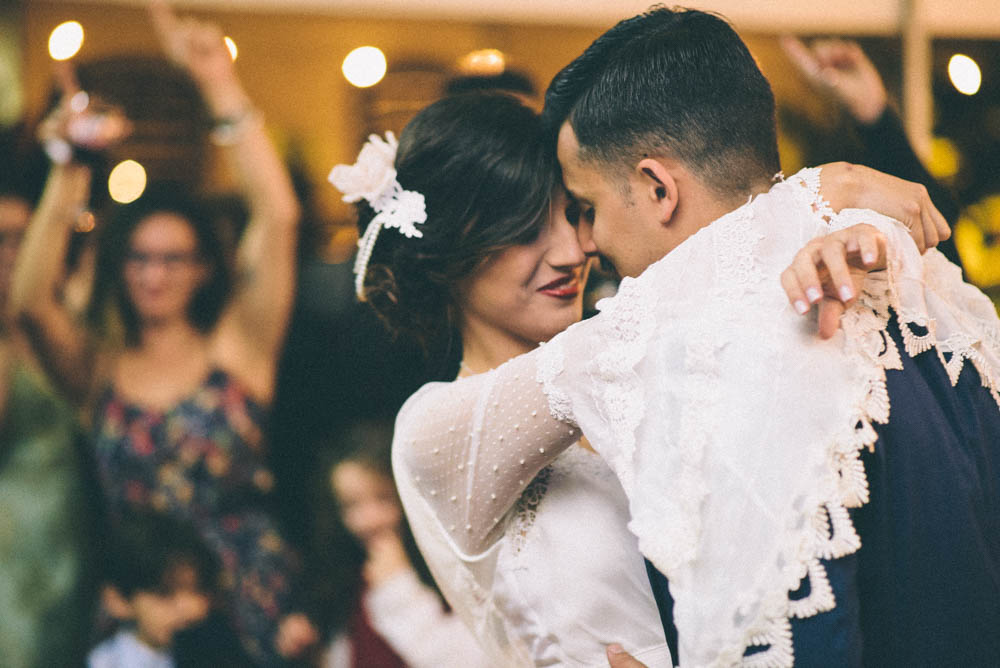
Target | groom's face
(612,220)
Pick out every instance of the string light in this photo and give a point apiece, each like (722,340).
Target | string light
(127,181)
(965,74)
(483,62)
(65,40)
(364,66)
(231,45)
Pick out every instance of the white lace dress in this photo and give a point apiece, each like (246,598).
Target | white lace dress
(546,575)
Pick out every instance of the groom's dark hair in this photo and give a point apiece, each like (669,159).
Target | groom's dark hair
(679,82)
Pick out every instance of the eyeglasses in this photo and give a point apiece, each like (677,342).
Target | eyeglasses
(169,261)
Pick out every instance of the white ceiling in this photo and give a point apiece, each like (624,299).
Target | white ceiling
(972,18)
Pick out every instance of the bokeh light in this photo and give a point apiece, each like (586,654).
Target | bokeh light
(65,40)
(364,66)
(484,62)
(127,181)
(944,160)
(231,45)
(965,74)
(79,102)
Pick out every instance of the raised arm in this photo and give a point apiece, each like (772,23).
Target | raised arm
(841,69)
(61,341)
(252,328)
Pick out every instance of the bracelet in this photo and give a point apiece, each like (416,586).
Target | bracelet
(62,152)
(227,130)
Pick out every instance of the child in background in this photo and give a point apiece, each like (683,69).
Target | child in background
(397,619)
(160,579)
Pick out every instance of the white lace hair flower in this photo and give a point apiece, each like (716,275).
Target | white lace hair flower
(373,178)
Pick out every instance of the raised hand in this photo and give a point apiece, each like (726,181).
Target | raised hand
(80,121)
(841,68)
(199,48)
(194,45)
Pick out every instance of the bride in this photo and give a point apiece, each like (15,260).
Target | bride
(528,542)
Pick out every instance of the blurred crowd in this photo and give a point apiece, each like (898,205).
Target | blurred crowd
(196,412)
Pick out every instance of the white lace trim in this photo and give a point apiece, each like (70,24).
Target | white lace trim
(736,240)
(631,325)
(550,365)
(809,180)
(526,510)
(573,462)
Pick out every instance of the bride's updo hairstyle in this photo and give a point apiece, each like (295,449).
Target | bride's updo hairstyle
(486,177)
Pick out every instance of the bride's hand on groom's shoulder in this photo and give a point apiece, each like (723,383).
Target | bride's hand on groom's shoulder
(829,273)
(849,186)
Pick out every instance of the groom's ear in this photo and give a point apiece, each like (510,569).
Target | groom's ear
(658,187)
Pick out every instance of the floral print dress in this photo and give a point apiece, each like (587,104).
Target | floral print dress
(202,461)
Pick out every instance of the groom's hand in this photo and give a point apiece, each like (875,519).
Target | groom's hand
(830,271)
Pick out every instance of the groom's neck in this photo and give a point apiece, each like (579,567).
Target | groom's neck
(700,204)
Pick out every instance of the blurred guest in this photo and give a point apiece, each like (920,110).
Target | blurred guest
(15,212)
(394,619)
(841,70)
(177,408)
(159,579)
(46,591)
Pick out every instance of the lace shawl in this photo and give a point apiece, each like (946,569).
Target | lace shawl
(734,430)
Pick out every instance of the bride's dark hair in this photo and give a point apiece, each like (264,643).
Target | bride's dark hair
(486,175)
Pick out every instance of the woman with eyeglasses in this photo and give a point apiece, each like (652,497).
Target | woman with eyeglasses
(177,405)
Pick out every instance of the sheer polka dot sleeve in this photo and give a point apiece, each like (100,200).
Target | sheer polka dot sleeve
(470,447)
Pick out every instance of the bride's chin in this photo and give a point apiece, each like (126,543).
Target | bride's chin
(559,324)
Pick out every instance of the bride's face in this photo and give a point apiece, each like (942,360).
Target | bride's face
(529,292)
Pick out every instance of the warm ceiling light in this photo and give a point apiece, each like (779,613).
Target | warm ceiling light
(484,62)
(231,45)
(127,181)
(365,66)
(965,74)
(65,40)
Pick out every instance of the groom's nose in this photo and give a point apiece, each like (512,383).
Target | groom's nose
(585,234)
(565,250)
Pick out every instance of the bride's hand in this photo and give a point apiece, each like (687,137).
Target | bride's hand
(619,658)
(830,271)
(847,186)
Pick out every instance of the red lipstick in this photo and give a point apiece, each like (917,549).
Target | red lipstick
(566,287)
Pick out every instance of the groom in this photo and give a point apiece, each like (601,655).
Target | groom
(665,130)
